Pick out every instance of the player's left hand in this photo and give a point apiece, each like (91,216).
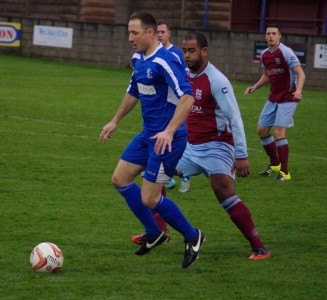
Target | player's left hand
(242,167)
(297,95)
(164,139)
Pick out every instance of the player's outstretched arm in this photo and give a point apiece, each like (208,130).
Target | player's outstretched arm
(262,81)
(126,106)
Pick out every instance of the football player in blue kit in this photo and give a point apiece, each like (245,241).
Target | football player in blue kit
(163,33)
(159,82)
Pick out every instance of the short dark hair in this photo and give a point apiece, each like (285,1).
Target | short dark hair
(160,22)
(147,19)
(199,37)
(274,26)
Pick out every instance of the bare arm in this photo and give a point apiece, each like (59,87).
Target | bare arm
(126,106)
(262,81)
(164,138)
(300,82)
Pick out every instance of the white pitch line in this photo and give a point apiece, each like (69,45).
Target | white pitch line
(94,138)
(95,127)
(62,123)
(49,134)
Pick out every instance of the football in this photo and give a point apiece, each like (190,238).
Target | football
(46,258)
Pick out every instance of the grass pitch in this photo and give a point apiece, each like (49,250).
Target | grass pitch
(55,187)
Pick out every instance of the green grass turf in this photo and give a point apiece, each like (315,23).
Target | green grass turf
(55,187)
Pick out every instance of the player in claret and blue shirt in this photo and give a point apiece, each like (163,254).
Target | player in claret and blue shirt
(284,72)
(216,138)
(159,82)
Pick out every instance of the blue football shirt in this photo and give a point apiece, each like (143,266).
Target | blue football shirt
(158,81)
(178,53)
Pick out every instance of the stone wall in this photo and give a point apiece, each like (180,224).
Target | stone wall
(107,45)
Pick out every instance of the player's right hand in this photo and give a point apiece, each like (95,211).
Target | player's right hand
(163,141)
(249,90)
(106,132)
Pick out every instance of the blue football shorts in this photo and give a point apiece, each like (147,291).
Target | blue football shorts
(159,168)
(208,158)
(277,114)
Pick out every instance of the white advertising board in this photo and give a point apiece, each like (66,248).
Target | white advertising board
(320,56)
(53,36)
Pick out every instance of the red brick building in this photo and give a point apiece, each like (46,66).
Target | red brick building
(295,16)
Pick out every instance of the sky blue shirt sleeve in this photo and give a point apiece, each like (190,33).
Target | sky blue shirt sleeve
(223,93)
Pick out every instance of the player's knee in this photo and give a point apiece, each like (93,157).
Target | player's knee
(279,133)
(222,196)
(150,200)
(263,131)
(223,191)
(116,181)
(146,201)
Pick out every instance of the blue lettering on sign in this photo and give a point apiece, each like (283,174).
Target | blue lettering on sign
(53,32)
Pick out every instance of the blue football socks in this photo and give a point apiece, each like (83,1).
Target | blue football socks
(170,212)
(132,195)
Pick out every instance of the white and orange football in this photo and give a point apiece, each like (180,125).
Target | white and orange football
(46,258)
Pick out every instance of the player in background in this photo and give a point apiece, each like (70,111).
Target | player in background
(282,69)
(164,38)
(164,33)
(216,140)
(159,82)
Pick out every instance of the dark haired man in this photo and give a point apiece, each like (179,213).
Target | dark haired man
(284,72)
(163,30)
(160,84)
(216,140)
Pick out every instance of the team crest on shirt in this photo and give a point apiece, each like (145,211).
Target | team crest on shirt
(149,73)
(277,61)
(198,94)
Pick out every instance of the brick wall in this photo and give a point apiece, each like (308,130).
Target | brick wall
(107,45)
(100,11)
(187,13)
